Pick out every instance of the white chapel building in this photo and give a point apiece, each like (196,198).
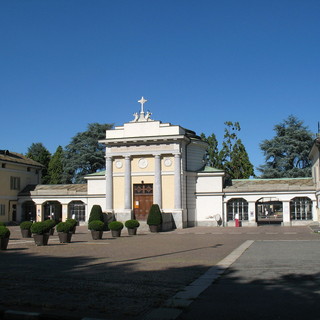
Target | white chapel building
(149,162)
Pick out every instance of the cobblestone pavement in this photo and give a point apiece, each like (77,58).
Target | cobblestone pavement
(118,278)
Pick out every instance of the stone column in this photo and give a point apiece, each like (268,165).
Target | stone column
(252,213)
(39,214)
(157,181)
(315,211)
(64,212)
(286,213)
(127,183)
(225,213)
(177,182)
(109,185)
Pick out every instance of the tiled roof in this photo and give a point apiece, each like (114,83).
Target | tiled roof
(285,184)
(8,156)
(100,173)
(54,189)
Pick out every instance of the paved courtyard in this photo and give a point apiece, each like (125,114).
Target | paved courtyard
(118,278)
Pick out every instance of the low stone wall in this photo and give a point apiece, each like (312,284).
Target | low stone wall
(167,222)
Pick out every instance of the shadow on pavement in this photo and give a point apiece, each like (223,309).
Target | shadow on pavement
(290,296)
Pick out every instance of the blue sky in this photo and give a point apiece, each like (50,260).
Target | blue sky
(67,63)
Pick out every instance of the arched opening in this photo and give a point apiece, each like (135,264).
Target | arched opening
(300,209)
(269,211)
(77,210)
(237,206)
(28,211)
(52,210)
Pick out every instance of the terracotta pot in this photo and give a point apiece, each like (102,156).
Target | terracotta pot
(154,228)
(4,243)
(96,235)
(65,237)
(41,239)
(26,233)
(116,233)
(132,231)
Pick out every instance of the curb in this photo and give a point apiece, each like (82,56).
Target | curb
(173,307)
(23,315)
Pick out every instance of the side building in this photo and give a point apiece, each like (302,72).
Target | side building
(16,172)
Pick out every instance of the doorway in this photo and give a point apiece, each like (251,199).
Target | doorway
(142,200)
(269,212)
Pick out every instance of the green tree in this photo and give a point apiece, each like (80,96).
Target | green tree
(212,155)
(229,139)
(38,152)
(240,166)
(233,157)
(85,155)
(55,167)
(287,154)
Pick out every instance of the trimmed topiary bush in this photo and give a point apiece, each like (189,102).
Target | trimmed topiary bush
(154,217)
(73,222)
(64,227)
(50,223)
(131,224)
(40,227)
(115,225)
(96,225)
(25,225)
(96,213)
(4,232)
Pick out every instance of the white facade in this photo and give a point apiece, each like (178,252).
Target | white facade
(148,161)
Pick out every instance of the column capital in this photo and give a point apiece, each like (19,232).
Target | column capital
(127,157)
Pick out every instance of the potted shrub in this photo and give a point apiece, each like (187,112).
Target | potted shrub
(40,232)
(96,227)
(115,227)
(73,223)
(154,218)
(132,226)
(4,237)
(96,213)
(25,229)
(2,224)
(51,224)
(64,230)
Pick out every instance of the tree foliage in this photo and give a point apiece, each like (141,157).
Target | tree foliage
(287,154)
(39,153)
(85,155)
(212,156)
(55,167)
(240,166)
(233,157)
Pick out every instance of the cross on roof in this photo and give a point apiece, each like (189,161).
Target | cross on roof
(142,101)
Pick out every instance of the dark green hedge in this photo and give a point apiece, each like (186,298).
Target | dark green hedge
(96,213)
(131,224)
(25,225)
(73,222)
(4,232)
(40,227)
(115,225)
(154,217)
(96,225)
(64,227)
